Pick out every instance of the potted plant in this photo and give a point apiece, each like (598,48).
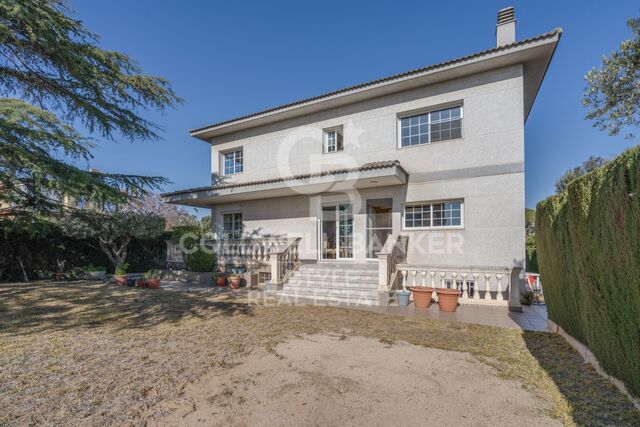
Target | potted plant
(234,280)
(143,282)
(220,279)
(95,273)
(120,275)
(448,299)
(422,296)
(153,276)
(74,274)
(59,275)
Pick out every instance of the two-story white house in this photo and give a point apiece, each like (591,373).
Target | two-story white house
(416,177)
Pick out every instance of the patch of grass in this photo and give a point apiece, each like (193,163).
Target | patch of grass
(97,354)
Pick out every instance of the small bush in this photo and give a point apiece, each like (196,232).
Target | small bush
(201,261)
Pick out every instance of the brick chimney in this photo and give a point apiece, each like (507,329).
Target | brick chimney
(506,26)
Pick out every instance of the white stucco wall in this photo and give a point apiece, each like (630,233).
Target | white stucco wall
(485,168)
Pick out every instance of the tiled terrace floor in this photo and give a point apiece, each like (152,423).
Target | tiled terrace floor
(532,318)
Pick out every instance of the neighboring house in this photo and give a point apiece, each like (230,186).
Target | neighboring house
(417,176)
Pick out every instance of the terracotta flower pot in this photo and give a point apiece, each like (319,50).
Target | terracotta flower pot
(422,296)
(235,281)
(154,283)
(221,280)
(448,299)
(121,280)
(59,276)
(142,283)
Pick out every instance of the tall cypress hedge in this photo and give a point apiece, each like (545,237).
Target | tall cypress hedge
(588,243)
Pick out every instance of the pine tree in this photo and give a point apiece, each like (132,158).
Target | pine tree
(54,75)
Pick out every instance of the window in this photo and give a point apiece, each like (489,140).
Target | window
(434,215)
(431,127)
(232,162)
(333,140)
(232,225)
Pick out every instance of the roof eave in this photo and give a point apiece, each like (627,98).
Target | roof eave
(493,58)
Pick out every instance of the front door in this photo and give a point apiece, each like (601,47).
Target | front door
(378,226)
(336,230)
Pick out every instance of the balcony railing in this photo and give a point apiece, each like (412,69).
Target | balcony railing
(246,251)
(279,255)
(480,285)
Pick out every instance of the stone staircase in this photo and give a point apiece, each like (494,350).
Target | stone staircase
(342,282)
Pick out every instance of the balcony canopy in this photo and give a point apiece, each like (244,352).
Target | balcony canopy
(376,174)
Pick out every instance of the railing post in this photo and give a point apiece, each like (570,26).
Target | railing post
(276,271)
(514,289)
(383,272)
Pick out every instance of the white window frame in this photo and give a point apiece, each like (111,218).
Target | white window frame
(233,151)
(339,139)
(428,112)
(222,229)
(432,227)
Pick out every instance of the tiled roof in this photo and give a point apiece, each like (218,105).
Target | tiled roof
(557,31)
(365,167)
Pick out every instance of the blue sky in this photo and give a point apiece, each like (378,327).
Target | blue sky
(231,58)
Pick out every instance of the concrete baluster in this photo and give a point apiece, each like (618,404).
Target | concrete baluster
(487,286)
(476,291)
(465,294)
(499,297)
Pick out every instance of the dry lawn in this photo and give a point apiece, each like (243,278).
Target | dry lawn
(94,354)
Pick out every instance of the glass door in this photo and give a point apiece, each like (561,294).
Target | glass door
(336,229)
(345,231)
(328,230)
(378,225)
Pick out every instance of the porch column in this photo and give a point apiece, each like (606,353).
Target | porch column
(383,276)
(274,260)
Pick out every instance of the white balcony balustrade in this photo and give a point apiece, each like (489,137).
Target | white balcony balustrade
(478,285)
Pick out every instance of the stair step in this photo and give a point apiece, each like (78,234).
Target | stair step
(343,265)
(328,284)
(320,294)
(349,286)
(332,275)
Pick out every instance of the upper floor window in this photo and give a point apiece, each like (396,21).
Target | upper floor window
(333,140)
(232,162)
(434,215)
(232,225)
(429,127)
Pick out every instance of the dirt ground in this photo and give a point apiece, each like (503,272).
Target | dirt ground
(88,353)
(338,380)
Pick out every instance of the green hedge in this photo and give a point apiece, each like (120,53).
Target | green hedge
(40,252)
(588,248)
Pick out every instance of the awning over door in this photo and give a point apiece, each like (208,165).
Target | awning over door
(376,174)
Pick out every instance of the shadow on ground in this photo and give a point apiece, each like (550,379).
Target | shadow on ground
(593,400)
(28,309)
